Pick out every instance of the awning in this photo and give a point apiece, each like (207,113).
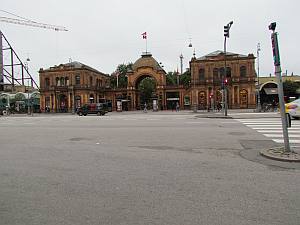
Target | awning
(271,91)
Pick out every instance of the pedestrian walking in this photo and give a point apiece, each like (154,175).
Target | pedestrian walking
(145,107)
(177,107)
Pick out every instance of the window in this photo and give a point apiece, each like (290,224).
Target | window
(91,81)
(222,72)
(47,82)
(228,71)
(216,73)
(243,71)
(201,74)
(91,98)
(77,79)
(62,81)
(56,81)
(67,81)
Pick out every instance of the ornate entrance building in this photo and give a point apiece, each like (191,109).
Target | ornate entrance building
(144,68)
(68,86)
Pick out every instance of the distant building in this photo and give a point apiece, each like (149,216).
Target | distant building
(65,87)
(208,74)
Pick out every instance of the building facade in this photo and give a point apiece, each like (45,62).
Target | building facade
(208,77)
(66,87)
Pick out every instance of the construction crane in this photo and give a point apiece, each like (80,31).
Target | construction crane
(9,75)
(32,23)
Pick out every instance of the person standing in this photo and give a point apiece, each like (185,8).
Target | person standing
(177,107)
(145,107)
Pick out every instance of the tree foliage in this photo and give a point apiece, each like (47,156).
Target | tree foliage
(185,78)
(121,72)
(171,78)
(291,88)
(147,88)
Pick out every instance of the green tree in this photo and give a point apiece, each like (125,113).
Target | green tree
(121,72)
(171,78)
(290,88)
(147,87)
(185,78)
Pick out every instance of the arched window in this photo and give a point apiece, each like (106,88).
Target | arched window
(222,72)
(47,82)
(201,74)
(228,71)
(67,81)
(77,79)
(216,73)
(91,98)
(243,71)
(62,81)
(91,81)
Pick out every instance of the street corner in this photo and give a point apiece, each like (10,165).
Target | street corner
(279,154)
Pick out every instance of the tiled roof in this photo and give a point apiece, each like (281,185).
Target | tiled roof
(146,61)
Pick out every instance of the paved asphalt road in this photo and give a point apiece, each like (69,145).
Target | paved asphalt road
(142,168)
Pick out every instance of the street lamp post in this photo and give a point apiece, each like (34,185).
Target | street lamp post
(258,108)
(224,84)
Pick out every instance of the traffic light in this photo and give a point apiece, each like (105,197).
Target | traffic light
(226,31)
(275,49)
(225,81)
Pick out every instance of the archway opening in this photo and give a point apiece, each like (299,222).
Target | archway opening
(146,91)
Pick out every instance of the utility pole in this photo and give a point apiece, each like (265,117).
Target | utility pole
(224,80)
(258,108)
(276,56)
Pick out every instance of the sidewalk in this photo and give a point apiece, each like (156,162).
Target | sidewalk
(232,113)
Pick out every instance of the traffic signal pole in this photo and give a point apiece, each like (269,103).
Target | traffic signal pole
(276,57)
(224,84)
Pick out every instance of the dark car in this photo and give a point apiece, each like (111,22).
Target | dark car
(94,108)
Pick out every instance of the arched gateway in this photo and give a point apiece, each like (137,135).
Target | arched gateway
(146,67)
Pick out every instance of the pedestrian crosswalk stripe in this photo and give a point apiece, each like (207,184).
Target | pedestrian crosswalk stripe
(291,141)
(272,128)
(277,131)
(281,135)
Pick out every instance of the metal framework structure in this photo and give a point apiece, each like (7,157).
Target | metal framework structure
(15,72)
(12,69)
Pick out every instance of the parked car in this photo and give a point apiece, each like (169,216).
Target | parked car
(293,109)
(94,108)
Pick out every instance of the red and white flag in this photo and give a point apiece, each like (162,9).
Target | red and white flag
(144,35)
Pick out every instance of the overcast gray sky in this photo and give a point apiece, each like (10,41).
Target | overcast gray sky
(103,34)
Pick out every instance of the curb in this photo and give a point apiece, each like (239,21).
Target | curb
(279,155)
